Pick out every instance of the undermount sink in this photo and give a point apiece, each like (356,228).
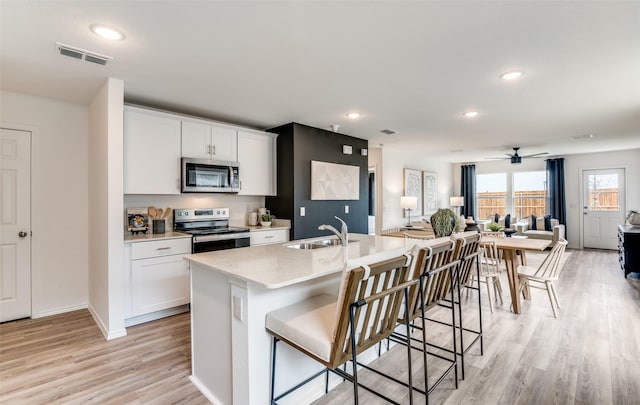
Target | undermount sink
(317,244)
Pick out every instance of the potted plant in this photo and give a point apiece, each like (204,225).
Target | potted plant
(494,227)
(265,219)
(633,217)
(444,222)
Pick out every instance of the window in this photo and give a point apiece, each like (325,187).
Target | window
(492,194)
(529,193)
(603,192)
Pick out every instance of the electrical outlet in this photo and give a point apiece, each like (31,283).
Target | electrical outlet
(237,308)
(346,209)
(303,211)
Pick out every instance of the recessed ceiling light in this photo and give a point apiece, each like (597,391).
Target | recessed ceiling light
(511,75)
(470,114)
(107,33)
(353,115)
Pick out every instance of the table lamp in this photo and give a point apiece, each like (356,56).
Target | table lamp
(457,201)
(409,203)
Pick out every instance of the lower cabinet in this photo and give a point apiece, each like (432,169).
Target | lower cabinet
(157,279)
(270,236)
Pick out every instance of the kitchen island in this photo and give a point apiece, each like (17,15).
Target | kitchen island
(233,290)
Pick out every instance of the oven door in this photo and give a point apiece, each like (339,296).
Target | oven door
(207,176)
(209,243)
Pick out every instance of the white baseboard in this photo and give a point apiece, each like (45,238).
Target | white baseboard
(60,310)
(106,332)
(156,315)
(207,394)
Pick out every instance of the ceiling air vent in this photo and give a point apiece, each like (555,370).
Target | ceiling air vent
(388,131)
(78,53)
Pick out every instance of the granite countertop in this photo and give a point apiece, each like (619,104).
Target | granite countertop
(258,228)
(277,266)
(129,237)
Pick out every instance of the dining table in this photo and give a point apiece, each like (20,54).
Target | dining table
(510,248)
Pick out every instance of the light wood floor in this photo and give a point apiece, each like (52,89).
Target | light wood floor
(589,355)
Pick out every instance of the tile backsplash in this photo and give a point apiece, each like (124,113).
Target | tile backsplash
(239,206)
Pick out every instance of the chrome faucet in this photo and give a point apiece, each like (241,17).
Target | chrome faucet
(342,236)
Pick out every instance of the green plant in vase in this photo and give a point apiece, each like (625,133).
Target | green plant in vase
(444,222)
(265,219)
(494,227)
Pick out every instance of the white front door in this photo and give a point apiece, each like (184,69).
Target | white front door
(15,224)
(603,208)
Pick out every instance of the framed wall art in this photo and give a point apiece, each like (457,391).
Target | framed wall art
(413,187)
(430,192)
(332,181)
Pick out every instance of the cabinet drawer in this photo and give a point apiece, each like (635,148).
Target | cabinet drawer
(158,248)
(265,237)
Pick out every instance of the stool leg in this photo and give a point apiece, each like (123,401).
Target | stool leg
(406,316)
(353,354)
(273,370)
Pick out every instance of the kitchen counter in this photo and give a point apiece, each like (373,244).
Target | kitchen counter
(233,290)
(277,266)
(129,237)
(258,228)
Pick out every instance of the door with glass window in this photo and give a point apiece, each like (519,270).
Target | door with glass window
(603,207)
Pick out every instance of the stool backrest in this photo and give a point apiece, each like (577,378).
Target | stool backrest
(433,267)
(467,250)
(375,294)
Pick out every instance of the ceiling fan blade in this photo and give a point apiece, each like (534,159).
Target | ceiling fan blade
(533,155)
(498,158)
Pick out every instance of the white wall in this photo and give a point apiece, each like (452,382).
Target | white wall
(574,165)
(106,250)
(393,164)
(59,214)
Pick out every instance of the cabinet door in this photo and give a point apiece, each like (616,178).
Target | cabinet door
(257,159)
(196,139)
(159,283)
(151,152)
(224,143)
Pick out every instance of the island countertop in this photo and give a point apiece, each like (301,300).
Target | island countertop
(277,266)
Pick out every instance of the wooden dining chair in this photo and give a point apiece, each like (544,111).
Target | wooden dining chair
(333,330)
(490,271)
(543,277)
(408,235)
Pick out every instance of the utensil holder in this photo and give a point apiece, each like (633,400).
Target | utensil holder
(159,225)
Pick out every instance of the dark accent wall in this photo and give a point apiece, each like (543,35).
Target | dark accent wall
(298,145)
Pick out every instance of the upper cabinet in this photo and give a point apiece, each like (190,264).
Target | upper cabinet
(205,140)
(151,152)
(257,161)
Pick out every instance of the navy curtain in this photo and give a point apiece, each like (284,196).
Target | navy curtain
(556,199)
(468,190)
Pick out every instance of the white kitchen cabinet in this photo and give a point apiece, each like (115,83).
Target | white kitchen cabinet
(206,140)
(151,152)
(257,161)
(157,278)
(269,236)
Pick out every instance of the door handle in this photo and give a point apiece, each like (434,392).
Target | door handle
(22,234)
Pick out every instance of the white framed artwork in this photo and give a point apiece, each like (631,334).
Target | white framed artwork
(332,181)
(413,187)
(430,192)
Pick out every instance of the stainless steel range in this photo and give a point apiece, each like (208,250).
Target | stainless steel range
(210,229)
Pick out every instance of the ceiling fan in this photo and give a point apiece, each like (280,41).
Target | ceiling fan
(517,159)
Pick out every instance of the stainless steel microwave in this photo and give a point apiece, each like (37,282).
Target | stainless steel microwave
(209,176)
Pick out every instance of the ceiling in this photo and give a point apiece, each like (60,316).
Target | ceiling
(413,67)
